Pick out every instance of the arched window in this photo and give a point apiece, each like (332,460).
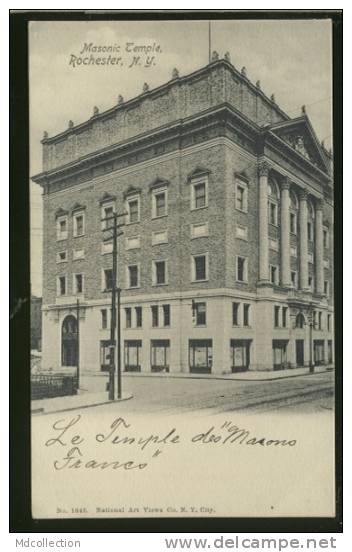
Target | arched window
(69,341)
(293,212)
(273,202)
(300,320)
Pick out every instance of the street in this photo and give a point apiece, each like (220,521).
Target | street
(300,394)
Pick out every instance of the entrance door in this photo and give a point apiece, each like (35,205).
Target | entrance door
(299,352)
(69,341)
(240,349)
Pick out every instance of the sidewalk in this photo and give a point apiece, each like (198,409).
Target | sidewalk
(83,400)
(250,375)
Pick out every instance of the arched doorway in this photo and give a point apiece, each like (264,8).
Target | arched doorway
(300,321)
(69,341)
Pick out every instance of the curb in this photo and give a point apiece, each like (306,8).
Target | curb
(42,410)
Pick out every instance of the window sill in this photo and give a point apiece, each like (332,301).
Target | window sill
(134,287)
(199,281)
(79,236)
(199,208)
(60,262)
(241,282)
(199,325)
(134,222)
(155,217)
(159,243)
(197,237)
(245,211)
(61,239)
(160,285)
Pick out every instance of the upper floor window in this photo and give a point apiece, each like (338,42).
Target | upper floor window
(159,272)
(199,193)
(155,315)
(276,316)
(310,231)
(235,313)
(104,319)
(294,278)
(167,316)
(241,191)
(326,287)
(199,268)
(128,317)
(61,285)
(293,212)
(133,276)
(78,283)
(326,238)
(310,223)
(133,209)
(200,314)
(138,311)
(284,317)
(159,203)
(274,274)
(61,257)
(273,202)
(108,281)
(293,223)
(246,307)
(62,228)
(107,212)
(78,224)
(241,269)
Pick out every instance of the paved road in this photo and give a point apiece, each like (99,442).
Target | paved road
(309,393)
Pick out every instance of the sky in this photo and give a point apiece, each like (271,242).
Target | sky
(292,59)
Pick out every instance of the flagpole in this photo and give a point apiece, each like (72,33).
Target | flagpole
(209,39)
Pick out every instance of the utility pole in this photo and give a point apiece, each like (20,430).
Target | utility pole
(311,326)
(115,291)
(77,314)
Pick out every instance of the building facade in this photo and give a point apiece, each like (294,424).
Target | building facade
(226,260)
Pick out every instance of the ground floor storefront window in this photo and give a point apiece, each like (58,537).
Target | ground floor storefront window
(105,352)
(200,355)
(133,355)
(159,355)
(318,352)
(240,354)
(279,354)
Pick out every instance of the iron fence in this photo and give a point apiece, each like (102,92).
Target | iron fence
(46,386)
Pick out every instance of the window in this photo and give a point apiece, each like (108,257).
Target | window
(133,279)
(274,274)
(199,230)
(326,238)
(235,312)
(240,349)
(159,205)
(276,316)
(107,279)
(159,353)
(246,314)
(241,191)
(200,314)
(61,228)
(279,354)
(199,268)
(133,355)
(159,273)
(104,319)
(134,242)
(310,257)
(200,355)
(318,352)
(241,269)
(242,232)
(155,316)
(273,213)
(61,285)
(330,351)
(133,210)
(310,282)
(78,224)
(314,320)
(78,283)
(310,231)
(128,317)
(199,197)
(284,317)
(78,254)
(294,278)
(107,212)
(166,312)
(293,223)
(326,287)
(159,237)
(138,311)
(61,257)
(329,322)
(319,320)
